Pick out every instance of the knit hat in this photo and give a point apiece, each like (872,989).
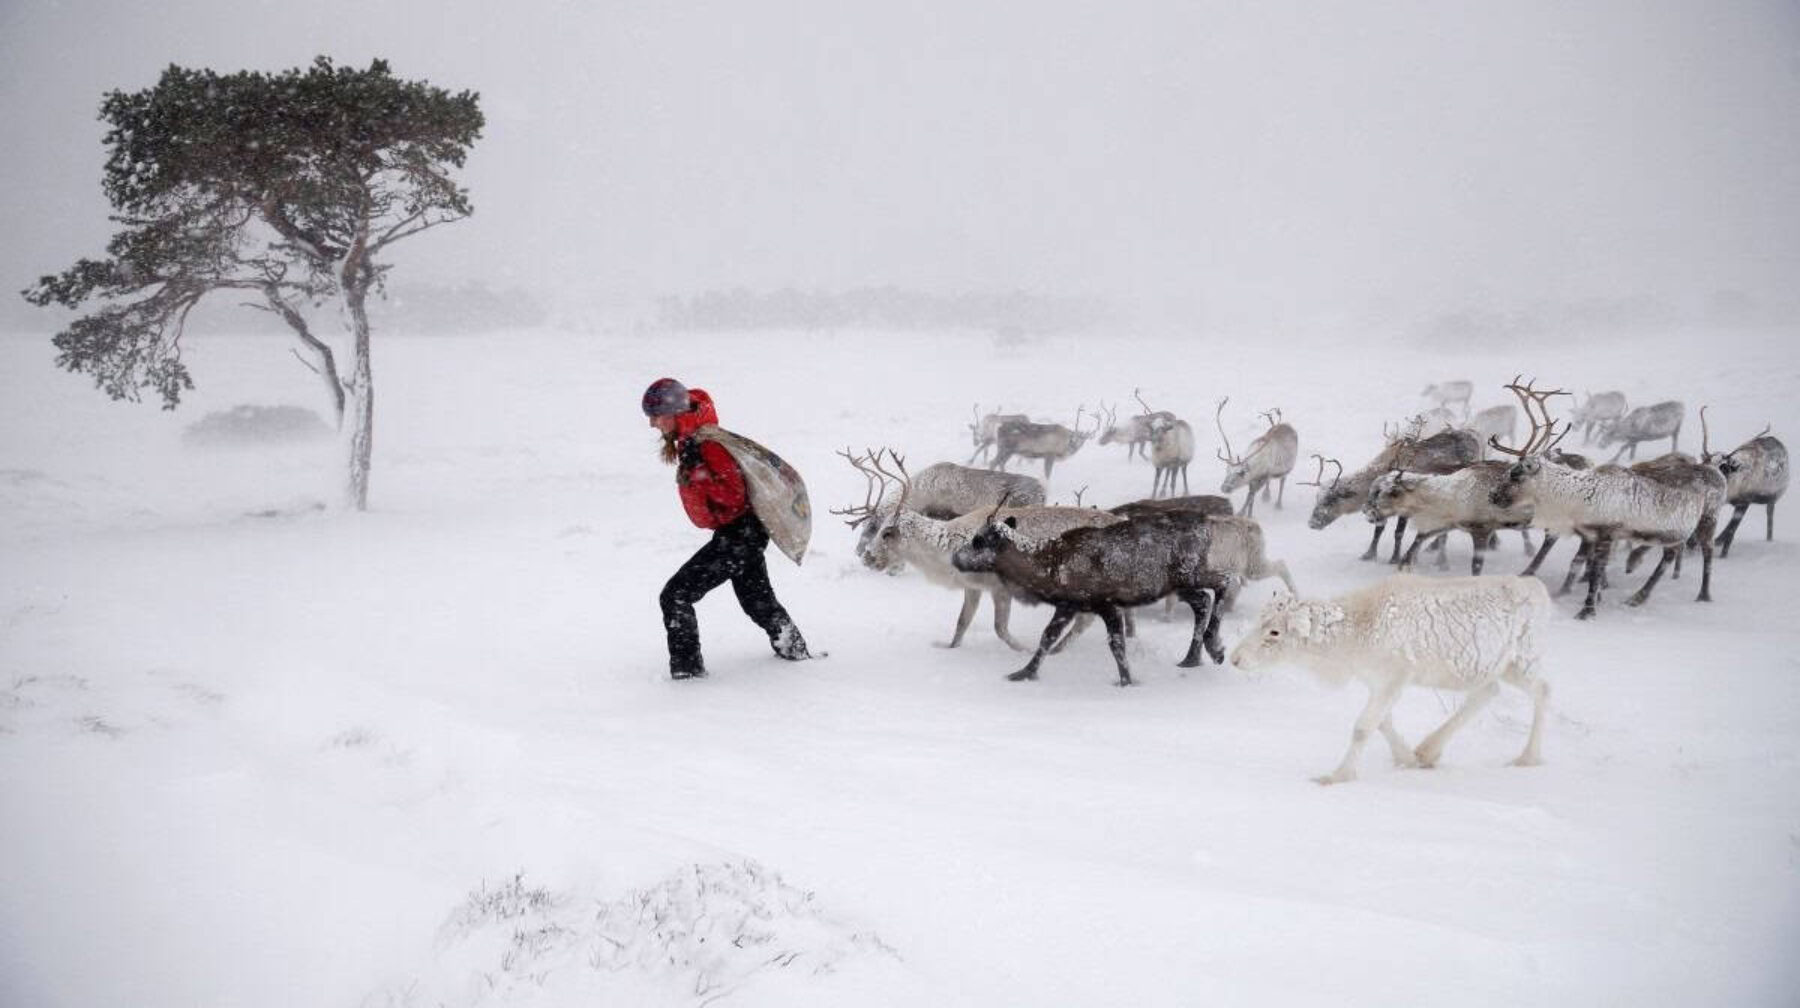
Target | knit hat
(666,397)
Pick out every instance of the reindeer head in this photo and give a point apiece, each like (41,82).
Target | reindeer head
(1532,455)
(1287,624)
(876,544)
(1334,499)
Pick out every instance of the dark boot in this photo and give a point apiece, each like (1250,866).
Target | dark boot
(788,644)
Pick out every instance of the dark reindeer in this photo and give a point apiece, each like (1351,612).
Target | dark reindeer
(1756,472)
(1105,570)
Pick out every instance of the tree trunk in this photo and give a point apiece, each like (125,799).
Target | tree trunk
(359,415)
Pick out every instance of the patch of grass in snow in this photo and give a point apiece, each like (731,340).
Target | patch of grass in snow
(703,932)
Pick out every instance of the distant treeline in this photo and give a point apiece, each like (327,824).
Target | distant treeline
(468,307)
(879,308)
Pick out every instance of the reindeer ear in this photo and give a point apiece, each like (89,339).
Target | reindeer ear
(1011,521)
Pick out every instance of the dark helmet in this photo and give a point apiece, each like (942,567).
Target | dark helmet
(666,397)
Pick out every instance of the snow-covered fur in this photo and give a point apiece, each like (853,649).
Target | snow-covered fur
(1237,548)
(1465,634)
(1436,504)
(1756,472)
(1646,423)
(1269,458)
(945,490)
(1105,570)
(1171,450)
(1658,503)
(925,543)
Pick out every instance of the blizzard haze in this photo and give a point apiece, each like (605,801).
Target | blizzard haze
(1205,162)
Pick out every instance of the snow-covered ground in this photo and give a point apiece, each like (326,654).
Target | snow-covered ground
(255,753)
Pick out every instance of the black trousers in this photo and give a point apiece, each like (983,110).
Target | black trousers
(735,554)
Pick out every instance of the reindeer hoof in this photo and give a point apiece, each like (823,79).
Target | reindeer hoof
(1330,779)
(1587,612)
(1023,675)
(1527,761)
(1191,661)
(1635,601)
(1703,597)
(1125,682)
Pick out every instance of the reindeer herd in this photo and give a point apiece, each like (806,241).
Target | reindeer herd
(987,532)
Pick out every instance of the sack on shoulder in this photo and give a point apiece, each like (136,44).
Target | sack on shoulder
(777,493)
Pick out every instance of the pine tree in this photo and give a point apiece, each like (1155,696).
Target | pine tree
(287,187)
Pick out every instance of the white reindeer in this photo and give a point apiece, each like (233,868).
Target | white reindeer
(1466,634)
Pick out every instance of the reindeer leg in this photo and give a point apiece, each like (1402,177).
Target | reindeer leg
(1399,533)
(1202,603)
(1633,558)
(1525,534)
(1642,595)
(1184,483)
(1049,463)
(1707,523)
(1428,751)
(1584,555)
(1115,639)
(1526,679)
(1769,521)
(1479,537)
(1213,645)
(1596,571)
(1281,492)
(1537,559)
(1052,631)
(1379,708)
(1003,621)
(1406,561)
(1440,544)
(1730,533)
(1374,542)
(1402,753)
(972,599)
(1076,629)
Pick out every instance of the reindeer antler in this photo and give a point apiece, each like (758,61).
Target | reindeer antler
(1544,435)
(1319,478)
(1273,415)
(1141,402)
(871,499)
(1219,422)
(904,479)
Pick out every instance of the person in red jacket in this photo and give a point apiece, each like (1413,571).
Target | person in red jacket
(715,497)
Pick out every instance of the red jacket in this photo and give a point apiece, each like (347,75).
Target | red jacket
(711,484)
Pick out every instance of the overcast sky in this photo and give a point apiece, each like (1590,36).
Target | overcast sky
(1308,155)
